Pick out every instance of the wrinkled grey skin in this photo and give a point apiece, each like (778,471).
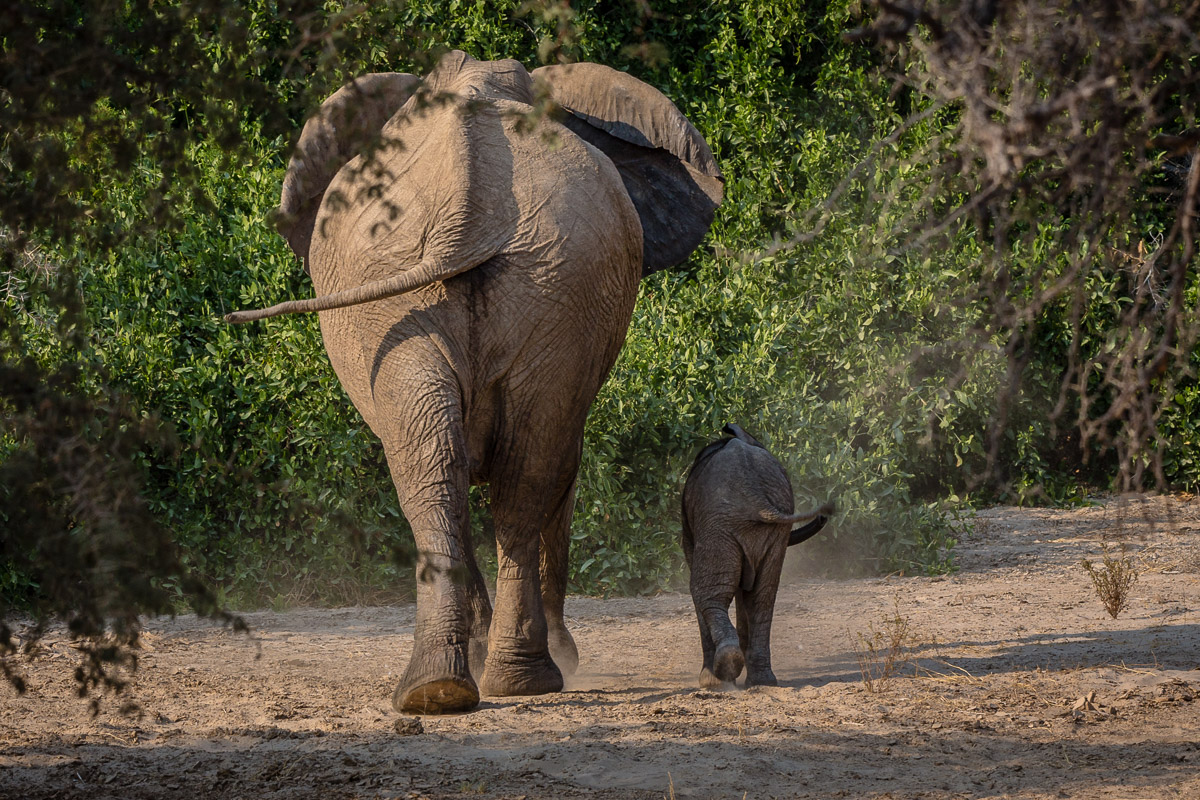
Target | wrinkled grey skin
(737,526)
(474,285)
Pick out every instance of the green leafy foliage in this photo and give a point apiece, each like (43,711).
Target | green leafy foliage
(276,488)
(858,362)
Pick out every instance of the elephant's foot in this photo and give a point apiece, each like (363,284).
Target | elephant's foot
(760,677)
(509,676)
(436,683)
(481,622)
(563,650)
(710,681)
(728,662)
(477,652)
(449,695)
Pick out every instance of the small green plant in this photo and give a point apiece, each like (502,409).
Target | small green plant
(1113,579)
(883,651)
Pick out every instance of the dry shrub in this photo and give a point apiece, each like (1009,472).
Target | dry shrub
(1191,561)
(1113,579)
(884,650)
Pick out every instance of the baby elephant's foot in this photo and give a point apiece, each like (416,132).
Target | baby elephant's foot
(710,681)
(760,677)
(728,663)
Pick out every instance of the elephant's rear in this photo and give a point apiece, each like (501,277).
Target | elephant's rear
(735,483)
(537,327)
(551,247)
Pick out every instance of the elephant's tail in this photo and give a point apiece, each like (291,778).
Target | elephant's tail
(813,521)
(806,532)
(423,274)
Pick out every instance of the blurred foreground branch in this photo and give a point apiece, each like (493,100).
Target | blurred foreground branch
(1066,147)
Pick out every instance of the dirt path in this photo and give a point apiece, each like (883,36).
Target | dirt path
(991,700)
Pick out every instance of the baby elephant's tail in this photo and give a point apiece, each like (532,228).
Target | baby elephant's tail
(814,521)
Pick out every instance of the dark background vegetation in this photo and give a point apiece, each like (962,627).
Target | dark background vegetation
(954,265)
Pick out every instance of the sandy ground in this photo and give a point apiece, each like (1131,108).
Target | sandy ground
(1013,683)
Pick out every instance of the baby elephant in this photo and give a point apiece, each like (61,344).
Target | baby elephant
(737,525)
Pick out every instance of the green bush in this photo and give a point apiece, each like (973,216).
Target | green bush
(855,361)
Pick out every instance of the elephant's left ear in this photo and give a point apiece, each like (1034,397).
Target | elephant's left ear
(667,167)
(341,128)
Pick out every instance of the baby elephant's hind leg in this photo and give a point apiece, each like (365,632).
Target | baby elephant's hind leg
(743,622)
(723,659)
(755,611)
(708,680)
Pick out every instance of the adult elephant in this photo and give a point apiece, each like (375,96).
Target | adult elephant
(476,265)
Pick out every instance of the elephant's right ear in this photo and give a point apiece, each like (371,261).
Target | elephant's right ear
(667,167)
(345,124)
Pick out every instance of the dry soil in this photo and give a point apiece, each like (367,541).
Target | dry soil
(1011,681)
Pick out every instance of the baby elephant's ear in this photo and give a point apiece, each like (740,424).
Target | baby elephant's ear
(667,167)
(344,126)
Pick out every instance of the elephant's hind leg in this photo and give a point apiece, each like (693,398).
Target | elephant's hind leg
(481,614)
(426,453)
(556,542)
(760,610)
(714,582)
(438,677)
(524,505)
(708,650)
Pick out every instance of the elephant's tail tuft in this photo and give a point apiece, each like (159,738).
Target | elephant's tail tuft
(806,532)
(811,522)
(773,516)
